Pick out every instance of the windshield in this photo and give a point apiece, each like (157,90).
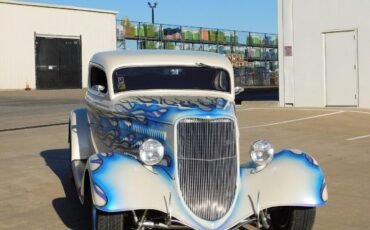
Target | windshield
(171,77)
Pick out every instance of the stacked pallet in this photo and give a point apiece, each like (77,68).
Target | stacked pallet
(274,78)
(242,64)
(235,57)
(237,60)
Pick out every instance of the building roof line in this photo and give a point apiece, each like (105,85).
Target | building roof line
(62,7)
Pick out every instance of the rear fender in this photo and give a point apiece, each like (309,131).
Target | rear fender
(80,136)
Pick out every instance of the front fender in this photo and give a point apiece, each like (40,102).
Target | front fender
(293,178)
(119,183)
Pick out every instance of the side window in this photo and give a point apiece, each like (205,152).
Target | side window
(98,80)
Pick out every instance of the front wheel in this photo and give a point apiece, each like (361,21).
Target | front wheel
(100,220)
(108,221)
(292,218)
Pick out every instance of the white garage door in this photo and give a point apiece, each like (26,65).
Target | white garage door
(341,68)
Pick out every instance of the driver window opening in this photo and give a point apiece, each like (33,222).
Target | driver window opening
(98,80)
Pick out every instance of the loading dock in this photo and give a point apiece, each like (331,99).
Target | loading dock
(58,63)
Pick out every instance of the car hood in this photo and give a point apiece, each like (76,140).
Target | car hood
(170,109)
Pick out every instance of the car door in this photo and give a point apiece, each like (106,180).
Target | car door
(99,105)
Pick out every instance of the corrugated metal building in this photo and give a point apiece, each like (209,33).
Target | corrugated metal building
(49,46)
(324,53)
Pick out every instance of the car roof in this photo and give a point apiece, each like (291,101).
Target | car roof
(112,60)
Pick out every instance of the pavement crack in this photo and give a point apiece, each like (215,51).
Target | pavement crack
(32,127)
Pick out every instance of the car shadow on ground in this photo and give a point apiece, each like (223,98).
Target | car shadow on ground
(69,209)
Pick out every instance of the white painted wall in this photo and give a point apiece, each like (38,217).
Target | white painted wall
(303,26)
(20,21)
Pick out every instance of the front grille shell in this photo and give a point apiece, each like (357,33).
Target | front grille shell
(207,165)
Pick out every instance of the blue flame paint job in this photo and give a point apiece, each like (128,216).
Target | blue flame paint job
(114,178)
(139,118)
(165,110)
(309,163)
(125,184)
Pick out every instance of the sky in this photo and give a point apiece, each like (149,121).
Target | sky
(244,15)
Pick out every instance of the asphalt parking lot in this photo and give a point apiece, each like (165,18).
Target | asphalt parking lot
(36,192)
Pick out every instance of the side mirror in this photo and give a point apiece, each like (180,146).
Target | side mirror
(99,88)
(238,90)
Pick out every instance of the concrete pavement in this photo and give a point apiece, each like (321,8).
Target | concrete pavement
(36,192)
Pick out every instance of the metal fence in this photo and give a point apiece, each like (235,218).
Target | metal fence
(258,51)
(255,77)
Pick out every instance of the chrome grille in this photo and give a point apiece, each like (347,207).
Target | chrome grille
(207,165)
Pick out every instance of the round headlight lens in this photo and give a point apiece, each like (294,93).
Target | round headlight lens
(262,152)
(151,152)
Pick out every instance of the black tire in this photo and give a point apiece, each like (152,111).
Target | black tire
(292,218)
(103,220)
(108,221)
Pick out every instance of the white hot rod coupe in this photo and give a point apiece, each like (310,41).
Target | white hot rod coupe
(157,147)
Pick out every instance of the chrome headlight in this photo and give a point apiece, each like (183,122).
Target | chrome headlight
(151,152)
(262,152)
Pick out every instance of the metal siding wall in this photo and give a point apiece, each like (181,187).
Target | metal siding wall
(286,38)
(281,55)
(310,20)
(19,23)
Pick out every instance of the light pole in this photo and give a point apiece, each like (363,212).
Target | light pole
(152,6)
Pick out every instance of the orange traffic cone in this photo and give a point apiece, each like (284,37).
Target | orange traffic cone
(27,87)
